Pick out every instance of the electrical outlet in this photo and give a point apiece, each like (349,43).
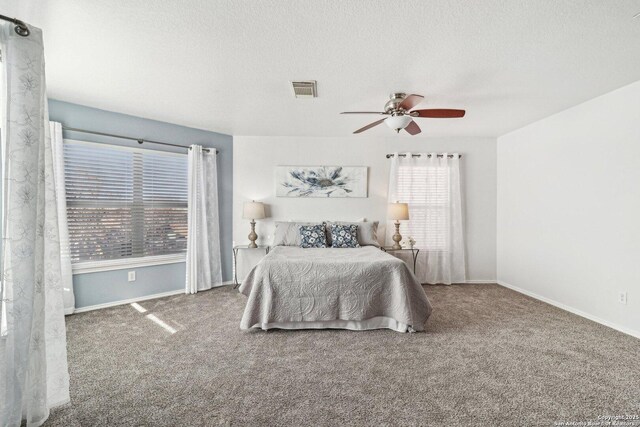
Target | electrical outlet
(132,276)
(622,297)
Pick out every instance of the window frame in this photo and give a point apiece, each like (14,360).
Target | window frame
(83,267)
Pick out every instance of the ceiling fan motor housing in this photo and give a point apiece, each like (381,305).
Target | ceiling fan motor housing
(395,99)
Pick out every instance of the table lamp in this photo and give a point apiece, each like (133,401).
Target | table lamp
(253,210)
(398,212)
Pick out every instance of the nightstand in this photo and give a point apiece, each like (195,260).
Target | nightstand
(243,248)
(414,253)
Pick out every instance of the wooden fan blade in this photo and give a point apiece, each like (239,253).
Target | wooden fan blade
(438,113)
(363,112)
(370,125)
(413,128)
(410,101)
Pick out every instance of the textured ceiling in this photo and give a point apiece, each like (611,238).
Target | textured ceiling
(226,65)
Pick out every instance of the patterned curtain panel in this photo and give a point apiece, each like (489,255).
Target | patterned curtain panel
(204,267)
(430,184)
(66,277)
(33,358)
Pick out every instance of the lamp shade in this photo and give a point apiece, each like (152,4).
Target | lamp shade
(398,122)
(398,211)
(253,210)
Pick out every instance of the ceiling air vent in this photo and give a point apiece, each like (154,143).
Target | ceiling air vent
(305,89)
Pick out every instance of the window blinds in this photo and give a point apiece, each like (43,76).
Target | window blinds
(426,190)
(123,202)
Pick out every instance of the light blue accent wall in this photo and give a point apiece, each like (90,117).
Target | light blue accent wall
(111,286)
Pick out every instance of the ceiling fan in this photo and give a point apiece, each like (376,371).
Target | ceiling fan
(398,108)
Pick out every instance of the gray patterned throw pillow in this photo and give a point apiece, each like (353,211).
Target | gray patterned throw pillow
(312,236)
(344,236)
(367,232)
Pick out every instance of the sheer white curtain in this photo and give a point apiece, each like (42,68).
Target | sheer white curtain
(430,184)
(204,267)
(57,149)
(33,358)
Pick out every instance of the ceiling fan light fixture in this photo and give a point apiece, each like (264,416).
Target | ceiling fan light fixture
(398,122)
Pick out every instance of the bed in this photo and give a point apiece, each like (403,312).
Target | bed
(328,288)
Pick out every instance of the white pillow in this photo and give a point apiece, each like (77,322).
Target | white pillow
(287,233)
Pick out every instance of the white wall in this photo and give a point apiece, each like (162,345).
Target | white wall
(255,159)
(569,208)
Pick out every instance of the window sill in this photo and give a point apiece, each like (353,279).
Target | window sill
(126,263)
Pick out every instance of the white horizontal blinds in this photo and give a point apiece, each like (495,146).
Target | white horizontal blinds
(164,198)
(426,190)
(124,203)
(99,187)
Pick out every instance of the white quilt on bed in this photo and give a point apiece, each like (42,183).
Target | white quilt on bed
(295,286)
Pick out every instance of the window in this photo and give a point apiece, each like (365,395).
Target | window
(124,203)
(426,190)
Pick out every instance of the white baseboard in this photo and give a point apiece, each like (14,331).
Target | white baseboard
(138,299)
(477,282)
(128,301)
(227,283)
(565,307)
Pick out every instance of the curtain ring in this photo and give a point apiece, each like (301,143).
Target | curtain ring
(21,28)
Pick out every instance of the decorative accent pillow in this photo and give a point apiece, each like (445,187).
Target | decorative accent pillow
(344,236)
(312,236)
(367,232)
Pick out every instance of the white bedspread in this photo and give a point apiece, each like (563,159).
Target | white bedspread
(360,288)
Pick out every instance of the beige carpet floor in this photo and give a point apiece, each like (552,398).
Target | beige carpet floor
(490,357)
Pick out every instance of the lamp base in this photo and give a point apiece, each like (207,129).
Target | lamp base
(253,236)
(397,237)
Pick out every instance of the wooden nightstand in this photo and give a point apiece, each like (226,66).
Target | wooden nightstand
(236,250)
(414,253)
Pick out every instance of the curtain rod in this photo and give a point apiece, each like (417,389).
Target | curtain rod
(139,140)
(428,155)
(21,27)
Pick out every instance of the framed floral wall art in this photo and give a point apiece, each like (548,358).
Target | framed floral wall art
(321,181)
